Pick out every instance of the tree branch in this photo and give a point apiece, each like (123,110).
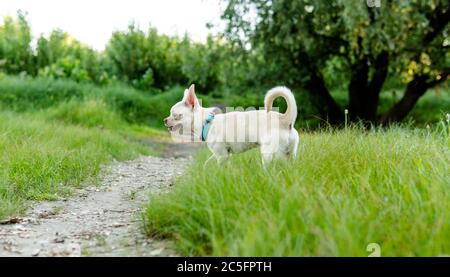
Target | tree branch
(414,90)
(438,21)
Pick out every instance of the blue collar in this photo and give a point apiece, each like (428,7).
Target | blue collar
(206,125)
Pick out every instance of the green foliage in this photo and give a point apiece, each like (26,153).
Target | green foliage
(30,94)
(67,67)
(89,113)
(389,187)
(145,59)
(16,55)
(325,45)
(25,94)
(61,56)
(148,59)
(294,43)
(296,33)
(205,64)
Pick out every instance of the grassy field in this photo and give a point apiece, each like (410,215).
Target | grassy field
(149,108)
(56,135)
(43,159)
(348,188)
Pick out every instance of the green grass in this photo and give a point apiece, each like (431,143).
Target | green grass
(56,134)
(89,113)
(348,188)
(41,159)
(33,94)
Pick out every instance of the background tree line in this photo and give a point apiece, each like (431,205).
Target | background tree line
(146,60)
(315,47)
(319,44)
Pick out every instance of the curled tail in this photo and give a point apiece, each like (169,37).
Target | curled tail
(288,118)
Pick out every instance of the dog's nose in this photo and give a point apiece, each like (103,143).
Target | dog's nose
(165,120)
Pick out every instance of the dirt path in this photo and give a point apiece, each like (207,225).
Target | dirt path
(102,220)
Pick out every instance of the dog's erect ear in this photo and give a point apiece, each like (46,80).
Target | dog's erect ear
(190,98)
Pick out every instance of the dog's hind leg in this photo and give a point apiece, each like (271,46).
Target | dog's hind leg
(294,141)
(268,153)
(266,158)
(221,159)
(274,146)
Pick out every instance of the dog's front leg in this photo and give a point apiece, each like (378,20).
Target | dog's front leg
(207,161)
(221,159)
(218,151)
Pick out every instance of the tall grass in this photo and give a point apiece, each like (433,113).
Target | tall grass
(347,189)
(33,94)
(43,159)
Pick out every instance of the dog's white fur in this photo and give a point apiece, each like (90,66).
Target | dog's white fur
(234,132)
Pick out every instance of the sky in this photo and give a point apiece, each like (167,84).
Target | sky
(93,21)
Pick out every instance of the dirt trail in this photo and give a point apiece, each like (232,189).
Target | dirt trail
(101,220)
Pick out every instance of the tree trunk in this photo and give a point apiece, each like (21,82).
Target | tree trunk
(358,91)
(364,94)
(323,100)
(328,108)
(414,90)
(381,65)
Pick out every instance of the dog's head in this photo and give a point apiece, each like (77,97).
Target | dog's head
(182,113)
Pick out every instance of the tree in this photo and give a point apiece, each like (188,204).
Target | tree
(203,63)
(145,58)
(62,56)
(402,38)
(16,55)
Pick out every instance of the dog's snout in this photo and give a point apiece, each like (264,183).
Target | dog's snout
(165,120)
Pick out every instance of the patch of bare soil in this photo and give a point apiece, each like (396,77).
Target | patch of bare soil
(100,220)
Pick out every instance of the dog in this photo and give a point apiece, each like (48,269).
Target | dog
(237,131)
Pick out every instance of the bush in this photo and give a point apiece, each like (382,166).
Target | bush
(31,94)
(89,113)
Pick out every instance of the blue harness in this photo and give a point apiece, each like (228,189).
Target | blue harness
(205,127)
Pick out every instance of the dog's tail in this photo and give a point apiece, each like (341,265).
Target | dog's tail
(288,118)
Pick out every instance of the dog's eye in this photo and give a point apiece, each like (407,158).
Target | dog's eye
(178,116)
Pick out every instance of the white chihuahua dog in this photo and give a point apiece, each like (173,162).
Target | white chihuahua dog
(237,131)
